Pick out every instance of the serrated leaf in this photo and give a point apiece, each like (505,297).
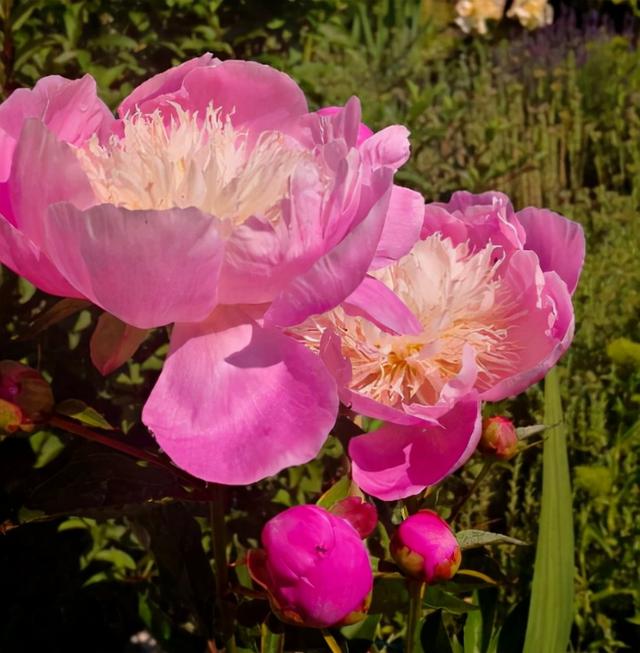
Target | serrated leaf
(79,411)
(551,609)
(473,538)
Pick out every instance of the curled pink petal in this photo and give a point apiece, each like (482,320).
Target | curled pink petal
(396,461)
(558,242)
(228,380)
(132,264)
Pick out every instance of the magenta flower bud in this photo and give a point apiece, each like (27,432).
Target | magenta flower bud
(25,397)
(425,548)
(499,438)
(314,567)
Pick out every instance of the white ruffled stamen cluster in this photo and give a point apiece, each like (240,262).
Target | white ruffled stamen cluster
(458,297)
(190,161)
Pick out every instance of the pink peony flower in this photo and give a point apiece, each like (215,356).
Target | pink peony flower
(499,438)
(314,566)
(218,203)
(480,309)
(425,547)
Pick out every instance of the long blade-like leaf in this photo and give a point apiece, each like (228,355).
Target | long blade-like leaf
(551,609)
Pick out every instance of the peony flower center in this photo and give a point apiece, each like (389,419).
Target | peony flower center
(207,164)
(459,299)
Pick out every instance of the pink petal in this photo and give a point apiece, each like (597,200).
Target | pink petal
(275,253)
(338,273)
(45,171)
(541,343)
(147,268)
(387,148)
(558,242)
(487,217)
(363,131)
(24,258)
(71,109)
(113,343)
(237,402)
(380,305)
(251,94)
(165,86)
(402,227)
(399,461)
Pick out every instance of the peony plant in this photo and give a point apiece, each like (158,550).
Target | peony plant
(305,294)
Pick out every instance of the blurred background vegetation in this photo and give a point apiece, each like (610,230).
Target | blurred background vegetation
(551,117)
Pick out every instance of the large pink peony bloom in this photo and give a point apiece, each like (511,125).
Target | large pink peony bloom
(314,567)
(218,203)
(480,309)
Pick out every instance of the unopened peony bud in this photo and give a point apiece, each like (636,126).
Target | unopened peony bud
(425,548)
(25,397)
(314,567)
(499,438)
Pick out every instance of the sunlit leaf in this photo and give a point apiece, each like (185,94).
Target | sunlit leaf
(551,608)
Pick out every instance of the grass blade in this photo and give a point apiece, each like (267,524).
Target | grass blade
(551,608)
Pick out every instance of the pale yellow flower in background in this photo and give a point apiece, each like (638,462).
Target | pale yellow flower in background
(532,14)
(474,14)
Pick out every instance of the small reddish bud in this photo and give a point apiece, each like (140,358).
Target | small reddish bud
(361,514)
(499,438)
(425,548)
(25,397)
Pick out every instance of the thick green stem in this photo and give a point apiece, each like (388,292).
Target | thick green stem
(414,615)
(219,546)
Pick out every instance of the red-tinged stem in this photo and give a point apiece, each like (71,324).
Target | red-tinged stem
(123,447)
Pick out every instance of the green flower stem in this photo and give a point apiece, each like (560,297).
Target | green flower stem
(219,546)
(414,615)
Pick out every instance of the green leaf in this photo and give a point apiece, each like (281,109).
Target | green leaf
(433,635)
(473,632)
(436,598)
(363,630)
(472,539)
(46,446)
(335,493)
(271,636)
(119,559)
(551,608)
(79,411)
